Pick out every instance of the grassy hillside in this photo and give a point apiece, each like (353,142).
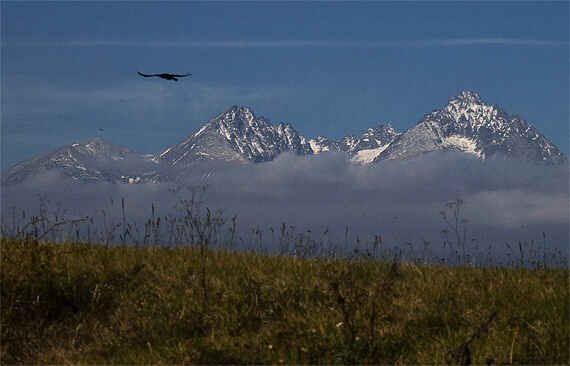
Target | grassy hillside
(69,303)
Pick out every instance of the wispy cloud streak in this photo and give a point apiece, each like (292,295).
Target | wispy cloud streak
(190,44)
(490,42)
(296,43)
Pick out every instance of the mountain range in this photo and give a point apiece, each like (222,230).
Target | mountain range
(236,136)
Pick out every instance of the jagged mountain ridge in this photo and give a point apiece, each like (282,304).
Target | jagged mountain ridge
(359,149)
(236,135)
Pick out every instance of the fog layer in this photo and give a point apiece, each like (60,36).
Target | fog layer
(506,201)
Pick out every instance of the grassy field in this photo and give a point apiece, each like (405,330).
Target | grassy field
(73,303)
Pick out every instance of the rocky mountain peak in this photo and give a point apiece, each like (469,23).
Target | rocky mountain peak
(469,125)
(383,133)
(240,118)
(237,134)
(465,113)
(466,98)
(93,160)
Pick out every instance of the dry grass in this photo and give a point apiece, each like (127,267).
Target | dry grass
(72,303)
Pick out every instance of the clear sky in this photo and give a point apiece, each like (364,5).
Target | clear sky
(68,69)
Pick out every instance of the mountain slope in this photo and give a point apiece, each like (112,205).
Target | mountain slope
(94,160)
(467,124)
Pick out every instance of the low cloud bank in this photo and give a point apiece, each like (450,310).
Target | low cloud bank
(505,201)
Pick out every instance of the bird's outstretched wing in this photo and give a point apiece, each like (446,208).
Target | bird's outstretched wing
(146,76)
(181,76)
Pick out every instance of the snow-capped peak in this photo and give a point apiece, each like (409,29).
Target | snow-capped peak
(465,99)
(467,124)
(237,134)
(93,160)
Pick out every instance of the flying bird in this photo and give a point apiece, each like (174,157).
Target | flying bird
(166,76)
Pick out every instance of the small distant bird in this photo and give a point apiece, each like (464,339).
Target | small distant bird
(166,76)
(100,129)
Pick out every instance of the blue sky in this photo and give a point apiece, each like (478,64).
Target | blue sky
(329,68)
